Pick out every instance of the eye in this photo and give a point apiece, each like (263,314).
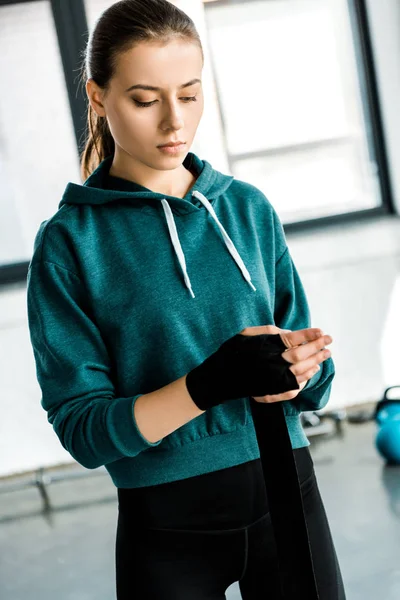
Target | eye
(143,103)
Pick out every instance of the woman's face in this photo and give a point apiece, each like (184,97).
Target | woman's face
(171,112)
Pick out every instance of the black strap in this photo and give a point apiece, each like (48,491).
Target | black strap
(285,501)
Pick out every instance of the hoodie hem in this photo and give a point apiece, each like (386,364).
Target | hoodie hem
(211,453)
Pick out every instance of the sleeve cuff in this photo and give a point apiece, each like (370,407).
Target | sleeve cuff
(128,436)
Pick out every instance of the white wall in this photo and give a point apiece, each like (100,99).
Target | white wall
(351,276)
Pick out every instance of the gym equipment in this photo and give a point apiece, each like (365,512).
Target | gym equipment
(387,417)
(323,423)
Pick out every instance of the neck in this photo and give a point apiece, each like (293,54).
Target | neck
(172,182)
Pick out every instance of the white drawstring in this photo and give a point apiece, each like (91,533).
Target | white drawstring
(176,243)
(178,248)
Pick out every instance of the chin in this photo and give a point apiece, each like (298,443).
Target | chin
(172,161)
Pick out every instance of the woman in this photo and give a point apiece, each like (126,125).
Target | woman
(152,337)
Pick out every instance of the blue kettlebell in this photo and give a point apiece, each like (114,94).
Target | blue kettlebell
(387,417)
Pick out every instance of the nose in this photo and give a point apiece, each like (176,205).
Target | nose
(173,118)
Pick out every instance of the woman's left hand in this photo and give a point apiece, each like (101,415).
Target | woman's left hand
(271,329)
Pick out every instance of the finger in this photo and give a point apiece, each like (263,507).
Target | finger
(284,396)
(305,351)
(301,336)
(305,376)
(300,368)
(299,360)
(263,329)
(301,379)
(277,397)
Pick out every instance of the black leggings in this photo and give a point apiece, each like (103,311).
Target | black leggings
(199,564)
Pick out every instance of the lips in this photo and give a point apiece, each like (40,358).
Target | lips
(171,144)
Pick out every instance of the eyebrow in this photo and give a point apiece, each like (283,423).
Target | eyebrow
(157,89)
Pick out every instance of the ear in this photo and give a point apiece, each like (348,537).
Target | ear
(95,97)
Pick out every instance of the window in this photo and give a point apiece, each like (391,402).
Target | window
(296,95)
(290,96)
(94,8)
(38,152)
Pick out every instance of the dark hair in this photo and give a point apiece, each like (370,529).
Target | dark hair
(118,29)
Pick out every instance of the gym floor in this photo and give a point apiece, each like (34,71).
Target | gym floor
(69,554)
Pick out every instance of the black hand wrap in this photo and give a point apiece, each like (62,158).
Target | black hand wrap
(244,365)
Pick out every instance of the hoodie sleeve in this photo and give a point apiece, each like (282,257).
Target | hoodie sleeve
(73,370)
(292,312)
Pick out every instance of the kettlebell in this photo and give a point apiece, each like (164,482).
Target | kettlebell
(387,417)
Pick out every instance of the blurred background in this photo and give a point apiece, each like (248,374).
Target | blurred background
(302,100)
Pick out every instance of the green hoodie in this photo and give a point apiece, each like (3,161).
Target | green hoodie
(128,290)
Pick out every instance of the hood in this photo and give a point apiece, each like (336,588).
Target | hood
(201,196)
(95,190)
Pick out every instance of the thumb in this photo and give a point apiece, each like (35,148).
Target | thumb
(272,329)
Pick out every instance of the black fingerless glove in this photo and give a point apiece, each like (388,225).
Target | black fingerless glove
(244,365)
